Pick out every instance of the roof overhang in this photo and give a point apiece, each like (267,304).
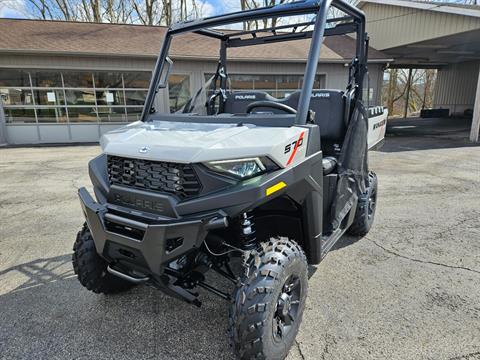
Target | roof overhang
(438,52)
(438,7)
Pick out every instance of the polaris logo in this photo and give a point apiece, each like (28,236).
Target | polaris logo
(320,95)
(379,124)
(144,150)
(127,200)
(245,97)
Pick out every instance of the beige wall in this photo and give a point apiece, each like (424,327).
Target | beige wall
(391,26)
(456,85)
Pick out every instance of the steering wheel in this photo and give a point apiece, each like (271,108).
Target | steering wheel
(270,104)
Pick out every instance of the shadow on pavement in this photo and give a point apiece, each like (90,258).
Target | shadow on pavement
(413,134)
(50,315)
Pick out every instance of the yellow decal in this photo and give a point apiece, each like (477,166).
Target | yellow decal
(275,188)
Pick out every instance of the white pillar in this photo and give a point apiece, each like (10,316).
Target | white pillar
(476,114)
(3,128)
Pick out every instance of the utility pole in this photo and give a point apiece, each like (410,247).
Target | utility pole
(409,82)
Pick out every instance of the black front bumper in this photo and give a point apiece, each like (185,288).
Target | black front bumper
(146,231)
(144,246)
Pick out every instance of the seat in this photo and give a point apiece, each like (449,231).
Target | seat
(329,108)
(329,163)
(237,102)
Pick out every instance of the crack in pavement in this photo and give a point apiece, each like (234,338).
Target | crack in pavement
(299,349)
(420,261)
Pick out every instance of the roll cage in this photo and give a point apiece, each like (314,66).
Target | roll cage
(316,29)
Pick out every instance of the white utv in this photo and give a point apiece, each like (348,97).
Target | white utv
(236,176)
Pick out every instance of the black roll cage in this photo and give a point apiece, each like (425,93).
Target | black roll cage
(354,22)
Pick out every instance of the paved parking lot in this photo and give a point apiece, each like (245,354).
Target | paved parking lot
(409,290)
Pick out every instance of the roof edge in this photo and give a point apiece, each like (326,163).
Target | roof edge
(177,57)
(427,6)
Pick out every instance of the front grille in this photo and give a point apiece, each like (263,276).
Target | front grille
(164,177)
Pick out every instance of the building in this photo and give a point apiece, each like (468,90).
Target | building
(64,82)
(443,36)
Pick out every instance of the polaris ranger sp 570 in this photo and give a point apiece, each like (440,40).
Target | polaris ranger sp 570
(241,177)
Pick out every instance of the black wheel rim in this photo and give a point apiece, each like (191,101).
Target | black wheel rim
(287,306)
(372,203)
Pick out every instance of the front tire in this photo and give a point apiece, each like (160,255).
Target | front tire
(366,206)
(91,269)
(268,304)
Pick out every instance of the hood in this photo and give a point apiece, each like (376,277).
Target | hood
(183,142)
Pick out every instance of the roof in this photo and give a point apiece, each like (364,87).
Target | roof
(90,39)
(442,7)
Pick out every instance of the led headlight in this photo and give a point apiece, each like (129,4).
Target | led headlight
(243,168)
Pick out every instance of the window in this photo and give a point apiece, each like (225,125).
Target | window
(80,97)
(110,97)
(16,96)
(19,116)
(135,97)
(137,80)
(61,96)
(18,78)
(178,91)
(108,80)
(78,79)
(134,114)
(82,114)
(49,97)
(46,79)
(112,114)
(51,115)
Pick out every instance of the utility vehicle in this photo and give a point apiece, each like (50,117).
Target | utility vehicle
(250,186)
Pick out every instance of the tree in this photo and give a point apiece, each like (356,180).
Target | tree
(147,12)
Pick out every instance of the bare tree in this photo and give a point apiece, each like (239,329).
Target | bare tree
(147,12)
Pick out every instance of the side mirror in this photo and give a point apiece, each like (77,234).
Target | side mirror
(167,66)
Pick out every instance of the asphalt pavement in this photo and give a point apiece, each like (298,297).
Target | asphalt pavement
(410,289)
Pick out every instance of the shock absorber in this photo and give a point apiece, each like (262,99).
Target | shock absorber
(247,231)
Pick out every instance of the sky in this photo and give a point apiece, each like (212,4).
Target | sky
(13,8)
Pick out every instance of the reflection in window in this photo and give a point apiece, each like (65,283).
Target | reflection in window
(137,80)
(108,80)
(110,97)
(16,97)
(10,77)
(86,97)
(51,115)
(135,97)
(178,91)
(82,114)
(49,97)
(80,97)
(46,78)
(134,114)
(73,79)
(19,116)
(111,114)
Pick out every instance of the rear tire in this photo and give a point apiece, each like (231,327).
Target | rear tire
(366,207)
(268,304)
(91,269)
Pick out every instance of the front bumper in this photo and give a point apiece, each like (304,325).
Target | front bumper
(143,246)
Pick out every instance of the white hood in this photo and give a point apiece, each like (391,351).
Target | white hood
(194,142)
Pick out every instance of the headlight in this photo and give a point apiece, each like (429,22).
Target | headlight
(243,168)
